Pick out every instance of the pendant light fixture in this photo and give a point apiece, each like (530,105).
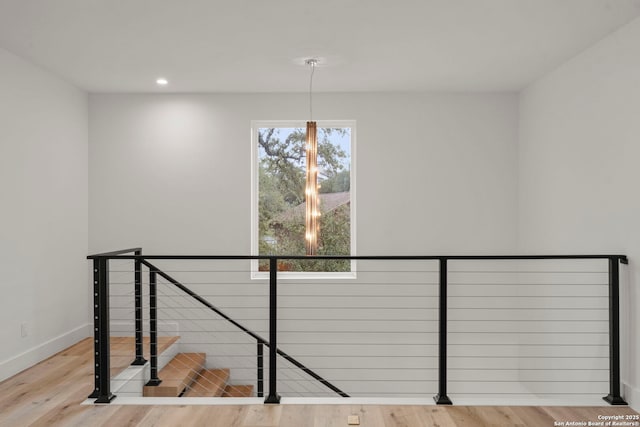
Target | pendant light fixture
(312,212)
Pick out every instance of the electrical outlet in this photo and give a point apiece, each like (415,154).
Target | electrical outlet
(24,331)
(353,420)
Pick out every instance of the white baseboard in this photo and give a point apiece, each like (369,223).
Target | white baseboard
(24,360)
(632,396)
(424,401)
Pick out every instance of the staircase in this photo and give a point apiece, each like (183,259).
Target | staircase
(186,376)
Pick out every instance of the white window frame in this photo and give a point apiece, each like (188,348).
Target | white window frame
(297,275)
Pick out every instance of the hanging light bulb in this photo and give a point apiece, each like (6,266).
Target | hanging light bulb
(312,225)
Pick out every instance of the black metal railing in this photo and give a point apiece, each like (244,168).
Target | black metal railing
(102,392)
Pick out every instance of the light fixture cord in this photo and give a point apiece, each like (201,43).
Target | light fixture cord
(312,63)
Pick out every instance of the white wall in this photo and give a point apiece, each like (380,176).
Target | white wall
(435,173)
(44,232)
(578,161)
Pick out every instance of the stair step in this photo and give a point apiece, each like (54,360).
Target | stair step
(238,391)
(123,350)
(177,375)
(210,383)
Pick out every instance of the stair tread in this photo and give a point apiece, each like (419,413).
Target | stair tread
(210,383)
(238,391)
(123,350)
(177,375)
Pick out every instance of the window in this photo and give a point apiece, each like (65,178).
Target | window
(278,220)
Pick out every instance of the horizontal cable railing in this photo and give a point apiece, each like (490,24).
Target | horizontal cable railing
(528,329)
(525,326)
(371,336)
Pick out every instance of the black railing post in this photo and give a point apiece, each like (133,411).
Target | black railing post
(153,328)
(441,398)
(139,360)
(260,384)
(102,390)
(273,331)
(614,397)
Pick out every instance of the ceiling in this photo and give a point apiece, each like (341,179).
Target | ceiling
(260,45)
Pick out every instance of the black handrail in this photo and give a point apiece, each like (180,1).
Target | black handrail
(114,253)
(622,258)
(202,301)
(101,335)
(252,334)
(614,397)
(441,398)
(153,327)
(101,311)
(138,315)
(101,360)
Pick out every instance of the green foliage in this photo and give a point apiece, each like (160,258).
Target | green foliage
(281,189)
(285,159)
(271,203)
(337,183)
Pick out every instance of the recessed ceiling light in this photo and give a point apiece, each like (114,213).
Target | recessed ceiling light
(162,81)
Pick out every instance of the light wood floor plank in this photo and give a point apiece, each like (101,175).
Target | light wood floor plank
(170,416)
(259,416)
(331,416)
(534,415)
(49,394)
(296,417)
(406,416)
(232,416)
(370,415)
(485,416)
(125,416)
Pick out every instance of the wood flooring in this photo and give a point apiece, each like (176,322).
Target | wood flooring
(50,393)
